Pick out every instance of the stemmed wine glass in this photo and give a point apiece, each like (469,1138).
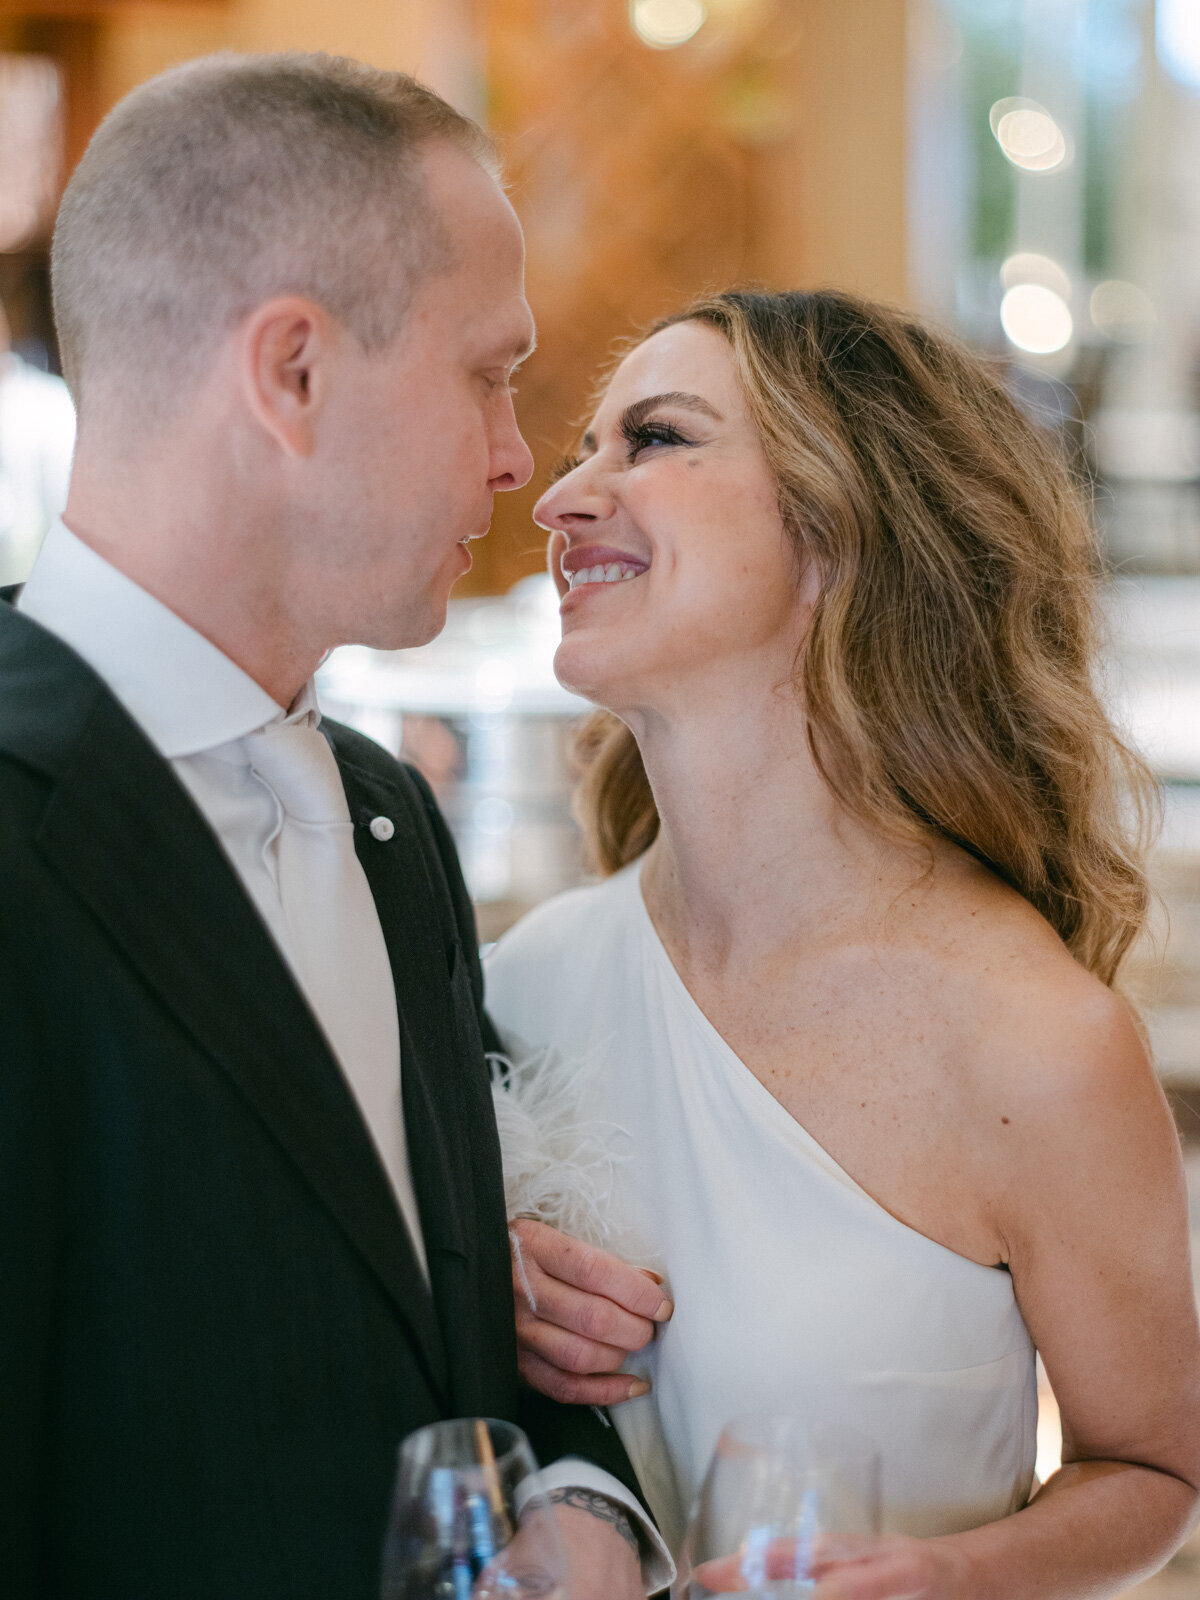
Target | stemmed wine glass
(782,1499)
(470,1520)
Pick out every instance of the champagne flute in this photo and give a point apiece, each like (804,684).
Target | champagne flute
(470,1520)
(782,1499)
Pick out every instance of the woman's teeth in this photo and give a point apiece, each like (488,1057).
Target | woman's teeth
(615,572)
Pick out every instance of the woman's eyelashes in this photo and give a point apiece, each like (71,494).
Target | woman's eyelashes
(641,436)
(638,436)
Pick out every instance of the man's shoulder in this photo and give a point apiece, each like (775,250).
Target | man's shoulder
(361,754)
(29,892)
(24,792)
(356,749)
(48,694)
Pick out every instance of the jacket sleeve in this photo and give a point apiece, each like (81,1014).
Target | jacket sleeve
(29,1229)
(554,1429)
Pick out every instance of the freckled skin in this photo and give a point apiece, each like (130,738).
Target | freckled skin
(685,509)
(893,1001)
(902,987)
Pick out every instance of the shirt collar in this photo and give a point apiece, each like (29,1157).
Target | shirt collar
(187,695)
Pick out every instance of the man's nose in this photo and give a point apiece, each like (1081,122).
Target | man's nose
(512,459)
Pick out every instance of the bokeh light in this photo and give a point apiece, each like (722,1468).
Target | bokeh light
(1036,319)
(1028,135)
(1029,267)
(1178,27)
(663,24)
(1122,311)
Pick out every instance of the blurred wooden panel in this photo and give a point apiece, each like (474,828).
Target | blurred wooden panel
(768,148)
(71,42)
(838,210)
(146,38)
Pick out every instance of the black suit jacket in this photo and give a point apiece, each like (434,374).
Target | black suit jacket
(213,1329)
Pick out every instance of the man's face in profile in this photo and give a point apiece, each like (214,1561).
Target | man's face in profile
(420,436)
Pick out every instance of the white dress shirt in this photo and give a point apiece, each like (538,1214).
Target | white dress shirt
(197,707)
(37,436)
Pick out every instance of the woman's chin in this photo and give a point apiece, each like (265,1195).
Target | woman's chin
(571,672)
(589,671)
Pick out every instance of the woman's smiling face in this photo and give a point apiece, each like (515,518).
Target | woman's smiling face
(667,541)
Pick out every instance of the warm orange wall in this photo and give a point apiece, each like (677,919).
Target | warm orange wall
(140,40)
(144,38)
(833,193)
(820,200)
(835,211)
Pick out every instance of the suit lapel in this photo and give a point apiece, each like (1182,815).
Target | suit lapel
(436,1048)
(129,841)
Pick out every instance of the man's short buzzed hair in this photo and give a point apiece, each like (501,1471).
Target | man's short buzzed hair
(229,180)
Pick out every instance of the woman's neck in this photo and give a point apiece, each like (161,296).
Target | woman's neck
(754,851)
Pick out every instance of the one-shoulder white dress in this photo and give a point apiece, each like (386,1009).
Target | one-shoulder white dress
(789,1280)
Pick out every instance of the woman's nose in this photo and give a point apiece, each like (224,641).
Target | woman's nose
(575,498)
(546,509)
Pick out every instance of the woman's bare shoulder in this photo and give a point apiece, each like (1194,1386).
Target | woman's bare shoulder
(1060,1086)
(1057,1110)
(1046,1023)
(1029,1032)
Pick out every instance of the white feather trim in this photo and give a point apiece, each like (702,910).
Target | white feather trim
(561,1166)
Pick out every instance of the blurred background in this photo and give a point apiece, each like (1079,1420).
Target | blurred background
(1024,171)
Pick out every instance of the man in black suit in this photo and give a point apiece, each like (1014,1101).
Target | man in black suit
(251,1212)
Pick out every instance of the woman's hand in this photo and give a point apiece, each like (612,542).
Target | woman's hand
(889,1568)
(580,1312)
(896,1568)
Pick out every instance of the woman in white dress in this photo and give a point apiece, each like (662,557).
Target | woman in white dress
(848,985)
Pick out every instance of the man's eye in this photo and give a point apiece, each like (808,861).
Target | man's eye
(645,435)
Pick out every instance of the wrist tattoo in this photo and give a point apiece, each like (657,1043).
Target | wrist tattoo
(603,1509)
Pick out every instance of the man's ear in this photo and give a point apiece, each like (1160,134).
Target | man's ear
(286,346)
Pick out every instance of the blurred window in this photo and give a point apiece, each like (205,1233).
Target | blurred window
(30,147)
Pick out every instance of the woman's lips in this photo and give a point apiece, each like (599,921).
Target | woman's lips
(613,572)
(597,564)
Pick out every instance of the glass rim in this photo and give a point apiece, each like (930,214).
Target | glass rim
(518,1441)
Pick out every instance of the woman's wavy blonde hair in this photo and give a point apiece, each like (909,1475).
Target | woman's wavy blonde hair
(947,676)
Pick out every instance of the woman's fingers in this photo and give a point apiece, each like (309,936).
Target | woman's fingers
(898,1569)
(735,1573)
(874,1580)
(608,1389)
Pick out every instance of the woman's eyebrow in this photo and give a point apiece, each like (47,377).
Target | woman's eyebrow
(634,415)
